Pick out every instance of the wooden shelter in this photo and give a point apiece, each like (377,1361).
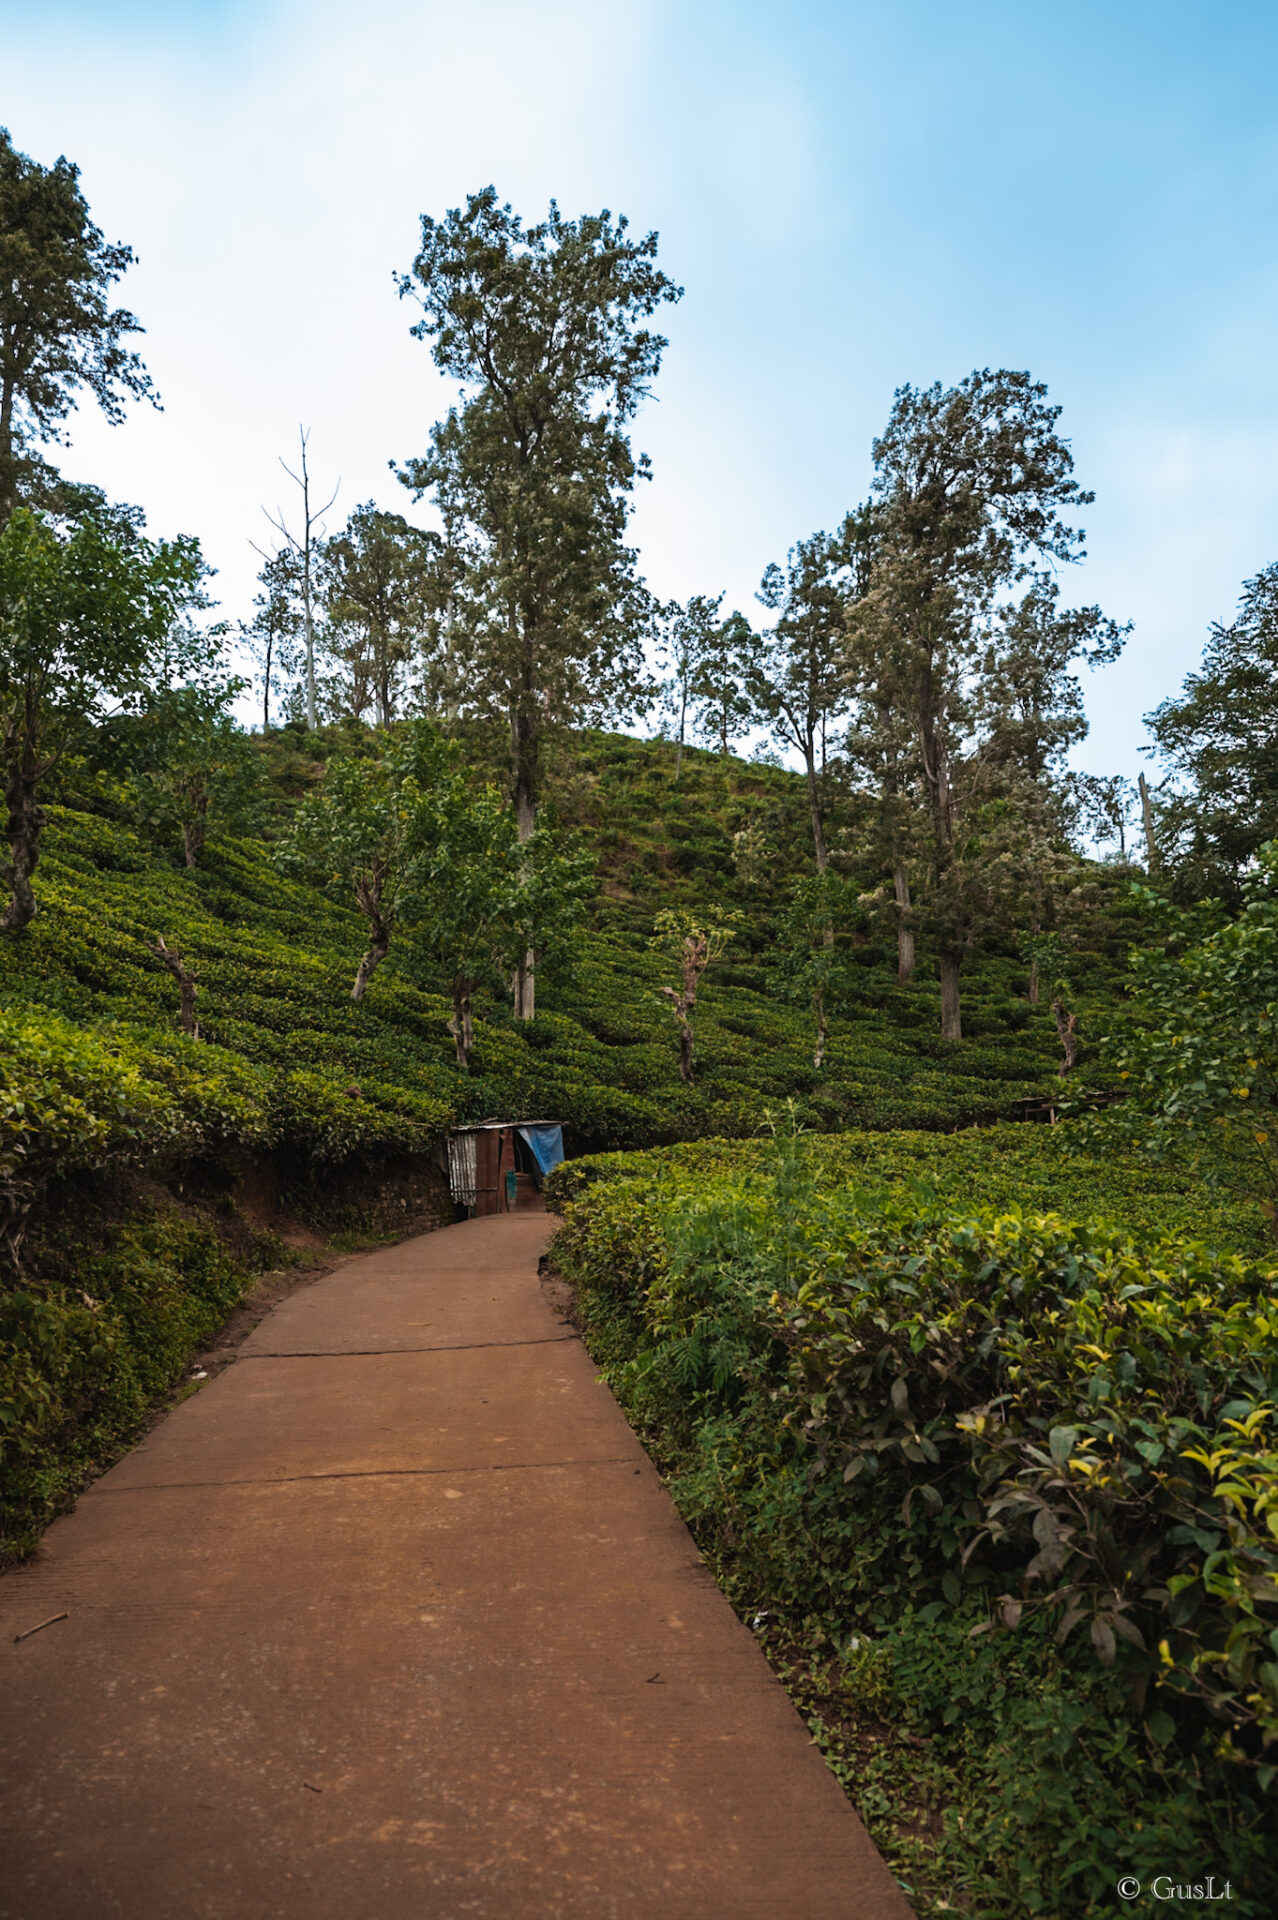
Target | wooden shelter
(496,1166)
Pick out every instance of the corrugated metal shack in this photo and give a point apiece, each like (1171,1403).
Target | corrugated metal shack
(496,1166)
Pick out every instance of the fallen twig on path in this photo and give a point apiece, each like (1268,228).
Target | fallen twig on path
(51,1621)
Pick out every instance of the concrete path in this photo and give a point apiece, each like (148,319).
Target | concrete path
(394,1618)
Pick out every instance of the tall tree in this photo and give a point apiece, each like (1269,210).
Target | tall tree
(799,681)
(59,334)
(377,575)
(1029,701)
(1105,806)
(723,707)
(84,622)
(811,963)
(970,486)
(305,547)
(1028,709)
(545,328)
(1220,740)
(271,636)
(880,758)
(683,633)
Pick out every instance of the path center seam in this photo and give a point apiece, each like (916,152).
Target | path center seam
(373,1353)
(369,1473)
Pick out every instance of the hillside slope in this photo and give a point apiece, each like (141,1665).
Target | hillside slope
(275,959)
(127,1149)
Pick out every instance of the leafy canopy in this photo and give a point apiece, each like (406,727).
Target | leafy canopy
(545,327)
(59,333)
(85,620)
(1201,1070)
(1220,738)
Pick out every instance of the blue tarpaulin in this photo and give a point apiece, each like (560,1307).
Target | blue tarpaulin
(546,1144)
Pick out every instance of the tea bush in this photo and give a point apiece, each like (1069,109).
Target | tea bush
(1026,1455)
(86,1351)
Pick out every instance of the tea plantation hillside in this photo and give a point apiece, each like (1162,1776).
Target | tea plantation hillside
(113,1122)
(285,1053)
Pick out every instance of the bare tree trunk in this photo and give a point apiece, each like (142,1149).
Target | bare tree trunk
(378,948)
(1147,814)
(266,683)
(936,771)
(308,611)
(368,898)
(304,549)
(25,821)
(818,1004)
(1033,982)
(814,808)
(1066,1027)
(683,716)
(951,1015)
(904,931)
(683,1000)
(186,980)
(462,1026)
(8,465)
(685,1050)
(193,832)
(524,744)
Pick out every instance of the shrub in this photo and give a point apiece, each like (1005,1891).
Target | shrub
(948,1424)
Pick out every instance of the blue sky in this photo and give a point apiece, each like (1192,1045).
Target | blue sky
(854,196)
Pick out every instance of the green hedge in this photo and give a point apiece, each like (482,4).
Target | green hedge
(1018,1471)
(85,1354)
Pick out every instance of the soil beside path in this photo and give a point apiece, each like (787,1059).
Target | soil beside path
(394,1618)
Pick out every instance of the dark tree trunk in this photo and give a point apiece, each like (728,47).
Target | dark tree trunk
(904,931)
(696,958)
(8,464)
(1066,1027)
(193,832)
(814,807)
(266,682)
(1033,982)
(683,1004)
(525,756)
(368,898)
(951,1015)
(685,1052)
(186,980)
(1147,815)
(25,821)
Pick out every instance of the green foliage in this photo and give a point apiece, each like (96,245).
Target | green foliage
(546,327)
(82,618)
(1201,1067)
(376,577)
(83,1357)
(420,847)
(59,333)
(1220,738)
(946,1427)
(193,766)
